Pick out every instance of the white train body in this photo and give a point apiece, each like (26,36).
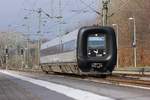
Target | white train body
(87,50)
(67,48)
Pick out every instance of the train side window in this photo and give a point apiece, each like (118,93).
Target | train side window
(50,51)
(69,46)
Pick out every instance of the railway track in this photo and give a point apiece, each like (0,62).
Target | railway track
(122,80)
(129,80)
(115,79)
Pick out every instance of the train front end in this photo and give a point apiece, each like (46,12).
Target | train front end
(97,49)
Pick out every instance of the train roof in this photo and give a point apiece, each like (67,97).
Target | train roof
(70,36)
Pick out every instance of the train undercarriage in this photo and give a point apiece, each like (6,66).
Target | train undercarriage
(73,68)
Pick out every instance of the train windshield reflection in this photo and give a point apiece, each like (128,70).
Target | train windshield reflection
(96,41)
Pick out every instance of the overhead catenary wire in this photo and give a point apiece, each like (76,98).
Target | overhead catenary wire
(91,8)
(69,18)
(99,13)
(121,7)
(35,2)
(22,10)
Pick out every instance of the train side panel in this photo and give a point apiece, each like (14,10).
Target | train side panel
(49,52)
(60,50)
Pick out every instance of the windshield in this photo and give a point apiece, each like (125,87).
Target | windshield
(96,41)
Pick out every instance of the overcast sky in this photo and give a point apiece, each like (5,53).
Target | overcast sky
(13,13)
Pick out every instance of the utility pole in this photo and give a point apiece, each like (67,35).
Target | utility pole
(27,52)
(134,43)
(27,49)
(117,35)
(40,11)
(7,48)
(39,33)
(60,18)
(60,26)
(60,12)
(105,12)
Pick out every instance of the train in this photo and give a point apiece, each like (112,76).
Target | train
(90,50)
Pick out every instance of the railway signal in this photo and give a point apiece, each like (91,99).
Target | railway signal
(22,51)
(22,57)
(6,57)
(6,51)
